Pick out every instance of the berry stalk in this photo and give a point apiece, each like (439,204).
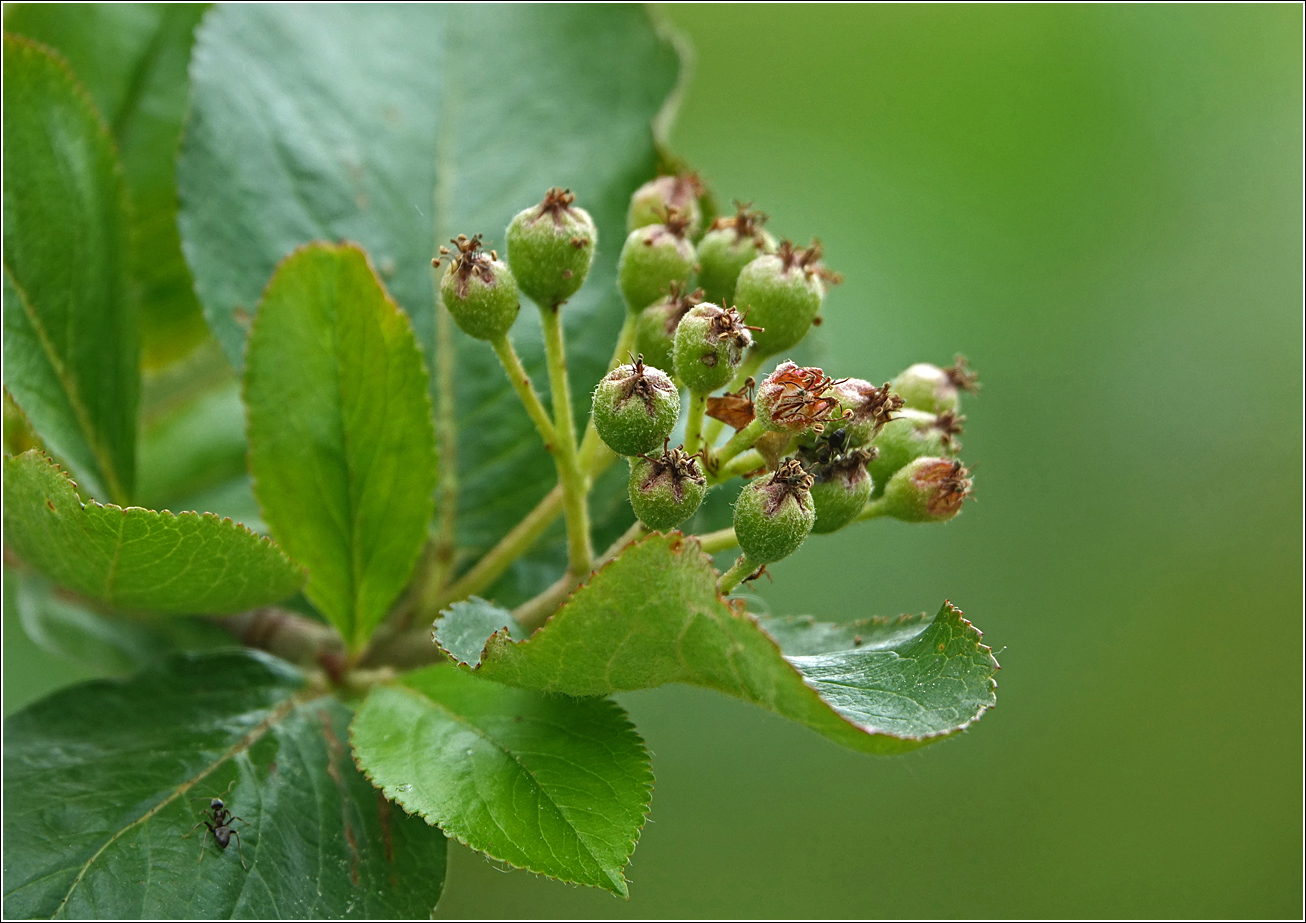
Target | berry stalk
(575,487)
(738,571)
(740,442)
(694,422)
(521,383)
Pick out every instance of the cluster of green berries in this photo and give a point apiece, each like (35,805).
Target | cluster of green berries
(832,450)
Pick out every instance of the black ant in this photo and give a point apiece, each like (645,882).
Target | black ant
(217,821)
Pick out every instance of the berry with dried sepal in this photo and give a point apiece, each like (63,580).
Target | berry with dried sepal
(478,289)
(928,490)
(551,248)
(782,293)
(666,490)
(650,203)
(655,335)
(635,408)
(932,389)
(863,409)
(794,399)
(841,489)
(774,513)
(910,435)
(710,344)
(652,258)
(728,246)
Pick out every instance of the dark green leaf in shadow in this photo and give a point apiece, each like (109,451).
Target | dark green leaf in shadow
(71,345)
(653,616)
(104,782)
(341,443)
(556,785)
(136,558)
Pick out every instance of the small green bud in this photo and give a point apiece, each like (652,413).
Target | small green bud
(841,489)
(774,513)
(652,258)
(666,490)
(728,246)
(551,248)
(710,344)
(655,334)
(652,201)
(863,409)
(635,408)
(794,399)
(928,490)
(478,289)
(782,293)
(910,435)
(934,390)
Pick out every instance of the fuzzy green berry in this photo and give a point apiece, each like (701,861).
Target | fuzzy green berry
(935,390)
(794,399)
(478,289)
(652,201)
(781,293)
(710,344)
(655,332)
(551,248)
(635,408)
(728,246)
(913,434)
(927,490)
(774,513)
(841,490)
(666,490)
(653,257)
(863,409)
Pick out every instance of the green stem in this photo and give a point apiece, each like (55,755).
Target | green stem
(742,567)
(744,463)
(720,540)
(533,613)
(740,442)
(873,510)
(521,383)
(575,489)
(592,446)
(694,422)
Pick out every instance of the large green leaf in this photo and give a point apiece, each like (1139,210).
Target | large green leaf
(136,558)
(653,616)
(70,335)
(103,783)
(341,443)
(398,127)
(556,785)
(132,58)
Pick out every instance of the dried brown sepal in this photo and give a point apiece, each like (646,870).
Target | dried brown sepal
(799,398)
(951,425)
(872,407)
(948,483)
(470,259)
(791,479)
(680,301)
(962,376)
(639,385)
(557,203)
(675,466)
(808,260)
(746,222)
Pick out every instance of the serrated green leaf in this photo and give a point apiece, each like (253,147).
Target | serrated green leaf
(103,783)
(132,58)
(464,627)
(341,443)
(71,344)
(136,558)
(653,616)
(107,645)
(399,127)
(556,785)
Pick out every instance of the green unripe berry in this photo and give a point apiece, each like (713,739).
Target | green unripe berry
(551,248)
(781,293)
(912,434)
(652,258)
(841,490)
(635,408)
(652,201)
(667,489)
(935,390)
(927,490)
(655,331)
(710,344)
(774,513)
(478,289)
(728,246)
(793,399)
(862,408)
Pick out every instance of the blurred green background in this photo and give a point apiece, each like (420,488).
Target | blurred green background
(1101,207)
